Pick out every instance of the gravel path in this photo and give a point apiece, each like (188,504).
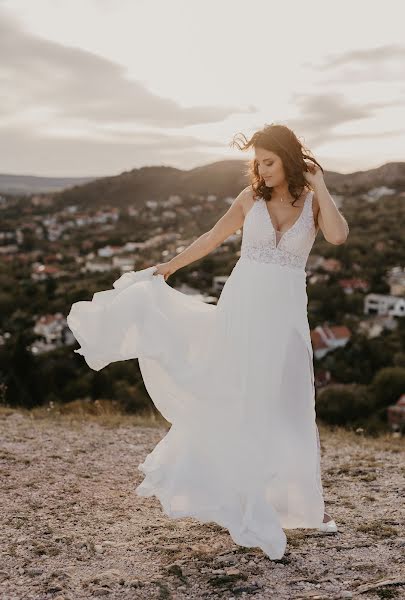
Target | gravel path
(73,528)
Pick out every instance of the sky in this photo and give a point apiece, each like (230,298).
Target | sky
(98,87)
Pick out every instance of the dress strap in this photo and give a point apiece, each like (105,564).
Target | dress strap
(308,217)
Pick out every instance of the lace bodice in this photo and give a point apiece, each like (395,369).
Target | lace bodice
(263,243)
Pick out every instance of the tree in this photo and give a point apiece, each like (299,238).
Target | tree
(22,373)
(344,404)
(388,385)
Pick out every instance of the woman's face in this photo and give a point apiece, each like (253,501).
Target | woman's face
(270,167)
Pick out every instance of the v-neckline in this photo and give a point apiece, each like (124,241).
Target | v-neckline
(293,225)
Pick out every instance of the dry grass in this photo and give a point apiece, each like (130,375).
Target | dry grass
(102,412)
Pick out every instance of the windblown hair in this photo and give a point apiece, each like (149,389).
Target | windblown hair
(282,141)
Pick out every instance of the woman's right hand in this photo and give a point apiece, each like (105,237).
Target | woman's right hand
(166,269)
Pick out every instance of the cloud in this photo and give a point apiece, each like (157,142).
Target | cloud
(67,111)
(83,156)
(368,56)
(45,80)
(384,63)
(321,114)
(329,110)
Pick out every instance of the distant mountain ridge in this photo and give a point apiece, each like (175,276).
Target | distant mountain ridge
(32,184)
(390,174)
(222,178)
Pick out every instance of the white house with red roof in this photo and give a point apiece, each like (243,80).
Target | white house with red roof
(354,284)
(327,338)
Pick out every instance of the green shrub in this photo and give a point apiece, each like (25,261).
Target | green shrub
(388,385)
(340,404)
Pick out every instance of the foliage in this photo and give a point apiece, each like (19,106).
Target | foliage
(344,404)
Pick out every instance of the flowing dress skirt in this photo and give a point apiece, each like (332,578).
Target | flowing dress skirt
(236,383)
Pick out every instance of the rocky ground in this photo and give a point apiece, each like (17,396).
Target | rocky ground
(73,528)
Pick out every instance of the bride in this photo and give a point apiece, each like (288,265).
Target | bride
(235,379)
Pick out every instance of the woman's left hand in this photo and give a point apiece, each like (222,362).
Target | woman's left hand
(314,175)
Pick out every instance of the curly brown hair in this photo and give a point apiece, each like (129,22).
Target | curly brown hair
(282,141)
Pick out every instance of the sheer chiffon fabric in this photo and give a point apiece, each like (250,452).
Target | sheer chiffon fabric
(235,380)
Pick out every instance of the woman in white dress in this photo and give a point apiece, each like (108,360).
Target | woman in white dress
(235,379)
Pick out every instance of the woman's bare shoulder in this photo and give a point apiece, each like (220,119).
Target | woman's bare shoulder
(247,199)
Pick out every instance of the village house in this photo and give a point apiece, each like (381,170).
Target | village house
(375,325)
(384,304)
(396,281)
(42,272)
(349,286)
(378,192)
(327,338)
(331,265)
(54,332)
(97,266)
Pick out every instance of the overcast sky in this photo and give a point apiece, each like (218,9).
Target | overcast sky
(97,87)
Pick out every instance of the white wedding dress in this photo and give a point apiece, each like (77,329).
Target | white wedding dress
(235,380)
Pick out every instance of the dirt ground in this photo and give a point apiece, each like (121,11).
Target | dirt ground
(72,526)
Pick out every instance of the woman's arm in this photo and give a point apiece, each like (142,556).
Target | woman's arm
(230,222)
(330,220)
(328,217)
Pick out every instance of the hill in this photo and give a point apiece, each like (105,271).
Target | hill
(221,178)
(31,184)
